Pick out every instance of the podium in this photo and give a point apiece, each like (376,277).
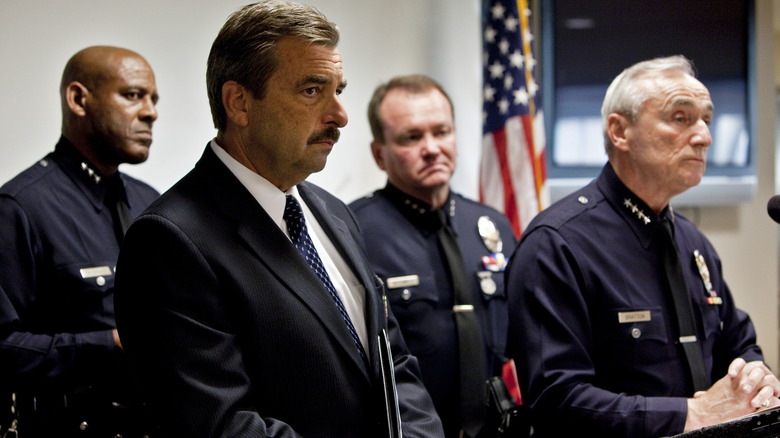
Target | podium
(762,424)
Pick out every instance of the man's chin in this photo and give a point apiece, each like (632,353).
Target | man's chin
(437,179)
(318,164)
(137,155)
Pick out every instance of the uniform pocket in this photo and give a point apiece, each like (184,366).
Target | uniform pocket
(633,338)
(420,290)
(491,285)
(86,278)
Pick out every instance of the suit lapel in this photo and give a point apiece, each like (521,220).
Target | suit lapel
(275,250)
(338,232)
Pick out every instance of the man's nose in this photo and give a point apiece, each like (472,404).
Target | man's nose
(701,135)
(149,109)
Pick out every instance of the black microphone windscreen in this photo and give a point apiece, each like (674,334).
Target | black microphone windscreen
(773,208)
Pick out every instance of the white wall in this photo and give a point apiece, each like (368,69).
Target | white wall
(380,39)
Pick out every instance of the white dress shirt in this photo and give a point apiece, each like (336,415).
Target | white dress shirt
(272,200)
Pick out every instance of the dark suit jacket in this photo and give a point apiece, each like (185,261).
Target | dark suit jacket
(231,332)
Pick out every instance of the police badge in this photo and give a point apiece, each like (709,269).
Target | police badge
(491,237)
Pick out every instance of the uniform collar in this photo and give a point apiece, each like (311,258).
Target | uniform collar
(84,174)
(420,212)
(636,213)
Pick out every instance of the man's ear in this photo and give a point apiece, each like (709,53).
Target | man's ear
(376,151)
(618,126)
(234,98)
(76,98)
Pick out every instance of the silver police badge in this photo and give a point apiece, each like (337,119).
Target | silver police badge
(486,282)
(491,237)
(490,234)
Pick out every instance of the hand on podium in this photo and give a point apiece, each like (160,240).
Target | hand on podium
(746,388)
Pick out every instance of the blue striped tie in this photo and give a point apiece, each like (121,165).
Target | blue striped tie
(296,226)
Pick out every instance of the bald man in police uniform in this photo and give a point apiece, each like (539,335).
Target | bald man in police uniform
(63,221)
(412,122)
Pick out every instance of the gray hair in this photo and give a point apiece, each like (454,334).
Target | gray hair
(625,97)
(245,48)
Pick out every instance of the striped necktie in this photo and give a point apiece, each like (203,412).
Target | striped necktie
(296,226)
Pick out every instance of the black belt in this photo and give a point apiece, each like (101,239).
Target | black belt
(76,399)
(81,410)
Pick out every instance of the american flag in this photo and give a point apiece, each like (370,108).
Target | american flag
(513,169)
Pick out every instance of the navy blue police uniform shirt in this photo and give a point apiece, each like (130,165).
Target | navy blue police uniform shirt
(403,249)
(58,251)
(592,328)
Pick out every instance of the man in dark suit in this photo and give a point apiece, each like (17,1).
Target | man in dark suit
(240,318)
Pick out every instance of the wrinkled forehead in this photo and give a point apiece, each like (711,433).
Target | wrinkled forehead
(301,59)
(671,89)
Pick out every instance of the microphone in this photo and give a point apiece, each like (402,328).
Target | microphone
(773,208)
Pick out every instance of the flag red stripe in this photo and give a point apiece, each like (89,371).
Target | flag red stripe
(510,203)
(513,171)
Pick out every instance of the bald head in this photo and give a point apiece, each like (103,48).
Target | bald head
(109,101)
(94,66)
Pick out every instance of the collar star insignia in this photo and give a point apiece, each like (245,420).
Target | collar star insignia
(422,209)
(414,206)
(634,209)
(91,172)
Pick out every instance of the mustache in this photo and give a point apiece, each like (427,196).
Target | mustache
(329,133)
